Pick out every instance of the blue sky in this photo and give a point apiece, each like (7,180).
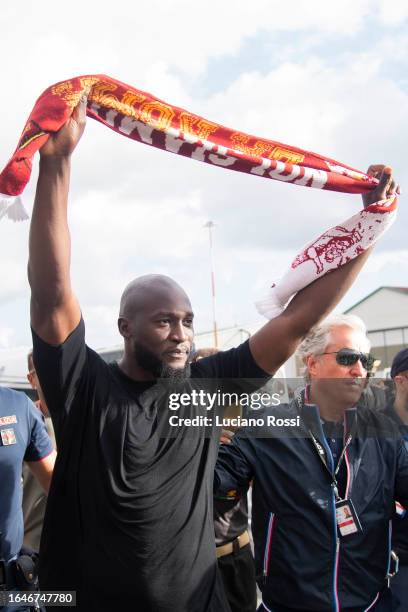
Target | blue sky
(330,77)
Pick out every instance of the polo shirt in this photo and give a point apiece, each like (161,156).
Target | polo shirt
(23,437)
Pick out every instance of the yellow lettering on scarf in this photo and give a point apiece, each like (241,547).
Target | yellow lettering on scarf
(101,94)
(87,83)
(200,128)
(286,155)
(66,92)
(129,100)
(156,114)
(240,142)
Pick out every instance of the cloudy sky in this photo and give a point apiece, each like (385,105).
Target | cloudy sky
(328,77)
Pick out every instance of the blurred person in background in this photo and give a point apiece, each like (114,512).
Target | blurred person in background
(34,496)
(233,549)
(397,410)
(23,437)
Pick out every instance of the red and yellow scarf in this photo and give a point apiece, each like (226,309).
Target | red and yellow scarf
(142,117)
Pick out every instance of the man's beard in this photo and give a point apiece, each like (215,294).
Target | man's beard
(148,361)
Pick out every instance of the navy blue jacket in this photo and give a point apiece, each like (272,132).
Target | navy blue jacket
(302,563)
(400,523)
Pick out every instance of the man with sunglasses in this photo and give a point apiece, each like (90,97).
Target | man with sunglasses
(323,490)
(34,497)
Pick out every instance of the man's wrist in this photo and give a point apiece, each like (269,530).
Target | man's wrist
(55,162)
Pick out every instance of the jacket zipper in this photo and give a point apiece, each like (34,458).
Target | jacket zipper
(337,538)
(268,545)
(336,574)
(336,607)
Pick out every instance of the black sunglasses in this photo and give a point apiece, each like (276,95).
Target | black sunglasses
(348,357)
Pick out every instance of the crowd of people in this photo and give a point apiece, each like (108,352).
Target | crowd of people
(144,516)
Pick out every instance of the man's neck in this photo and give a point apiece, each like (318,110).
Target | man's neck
(134,371)
(401,408)
(329,410)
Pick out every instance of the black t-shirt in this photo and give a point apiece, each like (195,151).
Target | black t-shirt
(129,521)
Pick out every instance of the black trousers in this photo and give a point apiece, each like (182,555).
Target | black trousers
(238,575)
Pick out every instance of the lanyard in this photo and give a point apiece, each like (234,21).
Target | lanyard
(322,455)
(321,451)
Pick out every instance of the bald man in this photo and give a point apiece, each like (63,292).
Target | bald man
(129,518)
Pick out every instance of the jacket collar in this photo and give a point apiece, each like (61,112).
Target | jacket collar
(311,416)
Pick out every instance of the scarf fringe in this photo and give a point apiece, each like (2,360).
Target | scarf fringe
(13,208)
(270,305)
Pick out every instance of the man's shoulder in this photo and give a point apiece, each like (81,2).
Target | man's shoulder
(94,357)
(9,398)
(236,362)
(17,410)
(279,421)
(383,422)
(284,415)
(98,377)
(110,378)
(389,412)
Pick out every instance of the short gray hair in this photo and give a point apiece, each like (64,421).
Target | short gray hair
(319,336)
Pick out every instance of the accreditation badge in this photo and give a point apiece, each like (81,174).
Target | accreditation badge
(8,437)
(347,520)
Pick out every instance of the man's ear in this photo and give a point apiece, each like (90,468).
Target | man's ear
(398,380)
(311,364)
(30,380)
(124,327)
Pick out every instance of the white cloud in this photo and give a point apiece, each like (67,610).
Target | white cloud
(6,337)
(14,248)
(393,13)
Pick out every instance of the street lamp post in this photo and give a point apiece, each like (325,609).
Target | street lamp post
(210,225)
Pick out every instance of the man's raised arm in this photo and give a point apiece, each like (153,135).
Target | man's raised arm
(55,310)
(276,341)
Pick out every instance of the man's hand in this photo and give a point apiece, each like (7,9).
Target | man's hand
(63,142)
(226,436)
(386,188)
